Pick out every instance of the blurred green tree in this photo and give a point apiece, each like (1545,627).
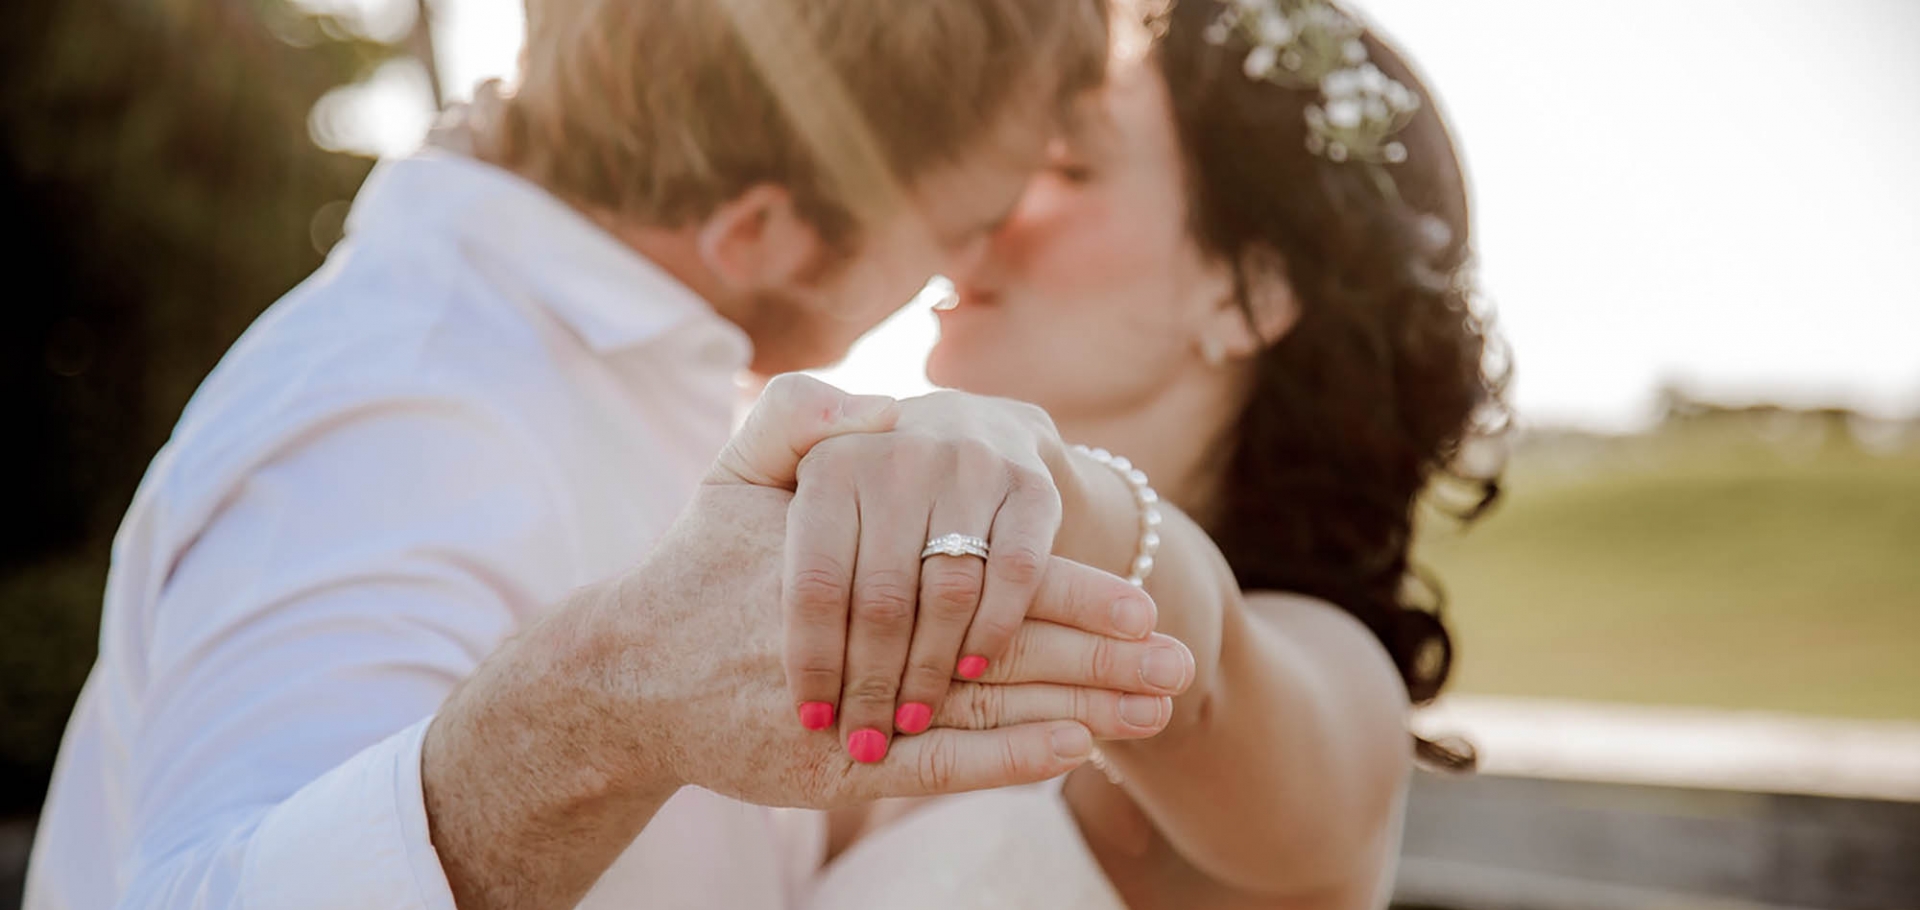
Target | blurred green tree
(159,188)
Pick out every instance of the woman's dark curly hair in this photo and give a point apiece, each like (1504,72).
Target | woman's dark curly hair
(1370,395)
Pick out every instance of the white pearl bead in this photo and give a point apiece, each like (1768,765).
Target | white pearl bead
(1145,497)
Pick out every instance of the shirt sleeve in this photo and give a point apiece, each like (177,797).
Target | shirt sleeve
(301,644)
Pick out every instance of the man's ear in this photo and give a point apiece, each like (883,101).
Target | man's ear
(759,240)
(1236,332)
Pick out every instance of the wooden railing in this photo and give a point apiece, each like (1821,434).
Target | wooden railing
(1590,807)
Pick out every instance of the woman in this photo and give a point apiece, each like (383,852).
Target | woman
(1252,281)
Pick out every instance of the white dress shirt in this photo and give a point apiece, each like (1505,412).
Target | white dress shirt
(481,402)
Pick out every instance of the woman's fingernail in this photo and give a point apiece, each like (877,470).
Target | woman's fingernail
(1162,668)
(867,746)
(1072,741)
(816,715)
(972,666)
(913,717)
(1142,710)
(1131,617)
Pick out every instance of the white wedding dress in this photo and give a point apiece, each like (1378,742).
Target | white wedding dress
(1017,848)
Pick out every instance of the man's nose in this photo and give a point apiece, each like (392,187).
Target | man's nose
(968,261)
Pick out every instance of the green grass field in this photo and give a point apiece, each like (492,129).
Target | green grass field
(1698,565)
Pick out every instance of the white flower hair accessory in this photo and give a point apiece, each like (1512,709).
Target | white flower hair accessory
(1305,44)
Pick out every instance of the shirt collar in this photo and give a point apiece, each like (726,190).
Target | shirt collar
(607,293)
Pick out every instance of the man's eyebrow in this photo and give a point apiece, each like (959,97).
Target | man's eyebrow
(1089,128)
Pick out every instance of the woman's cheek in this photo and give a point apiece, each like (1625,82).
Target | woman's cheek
(1091,254)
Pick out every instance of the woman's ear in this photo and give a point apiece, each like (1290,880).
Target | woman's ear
(759,240)
(1237,332)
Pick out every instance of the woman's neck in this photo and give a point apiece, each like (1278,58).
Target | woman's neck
(1175,437)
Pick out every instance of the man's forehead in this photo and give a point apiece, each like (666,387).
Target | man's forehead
(1091,129)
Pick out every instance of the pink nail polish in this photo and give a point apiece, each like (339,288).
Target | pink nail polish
(913,717)
(972,666)
(867,746)
(816,715)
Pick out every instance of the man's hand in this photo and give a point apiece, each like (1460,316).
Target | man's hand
(875,634)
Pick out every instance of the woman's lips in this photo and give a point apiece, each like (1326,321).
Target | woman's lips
(967,298)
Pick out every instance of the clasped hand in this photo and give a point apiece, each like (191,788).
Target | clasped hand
(883,642)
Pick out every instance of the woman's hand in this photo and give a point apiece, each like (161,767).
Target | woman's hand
(875,633)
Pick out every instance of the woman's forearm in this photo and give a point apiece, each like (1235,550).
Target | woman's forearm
(1282,765)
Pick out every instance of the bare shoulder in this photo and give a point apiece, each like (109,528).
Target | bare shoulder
(1339,648)
(1324,625)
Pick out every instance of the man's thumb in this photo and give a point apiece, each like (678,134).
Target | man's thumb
(792,416)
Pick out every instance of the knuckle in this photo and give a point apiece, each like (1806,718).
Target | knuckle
(985,705)
(1035,416)
(1028,479)
(825,460)
(1037,486)
(928,673)
(939,765)
(822,685)
(787,388)
(977,461)
(818,590)
(1012,759)
(1102,662)
(1046,499)
(1019,565)
(995,632)
(911,452)
(954,594)
(1019,656)
(817,671)
(885,600)
(872,690)
(797,393)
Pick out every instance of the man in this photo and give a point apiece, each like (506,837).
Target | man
(474,421)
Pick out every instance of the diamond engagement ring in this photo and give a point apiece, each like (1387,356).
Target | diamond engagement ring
(955,545)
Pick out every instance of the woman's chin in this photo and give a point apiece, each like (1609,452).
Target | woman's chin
(953,365)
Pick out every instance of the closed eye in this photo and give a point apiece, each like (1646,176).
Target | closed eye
(1073,172)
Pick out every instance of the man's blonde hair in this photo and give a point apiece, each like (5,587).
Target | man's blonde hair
(661,110)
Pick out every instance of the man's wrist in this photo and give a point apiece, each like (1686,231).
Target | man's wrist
(534,770)
(601,706)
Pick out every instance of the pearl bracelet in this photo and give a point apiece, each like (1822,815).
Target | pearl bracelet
(1149,502)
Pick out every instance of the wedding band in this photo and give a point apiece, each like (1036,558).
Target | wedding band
(955,545)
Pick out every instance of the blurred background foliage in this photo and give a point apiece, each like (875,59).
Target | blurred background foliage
(160,187)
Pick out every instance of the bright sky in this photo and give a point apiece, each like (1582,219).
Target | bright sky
(1719,192)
